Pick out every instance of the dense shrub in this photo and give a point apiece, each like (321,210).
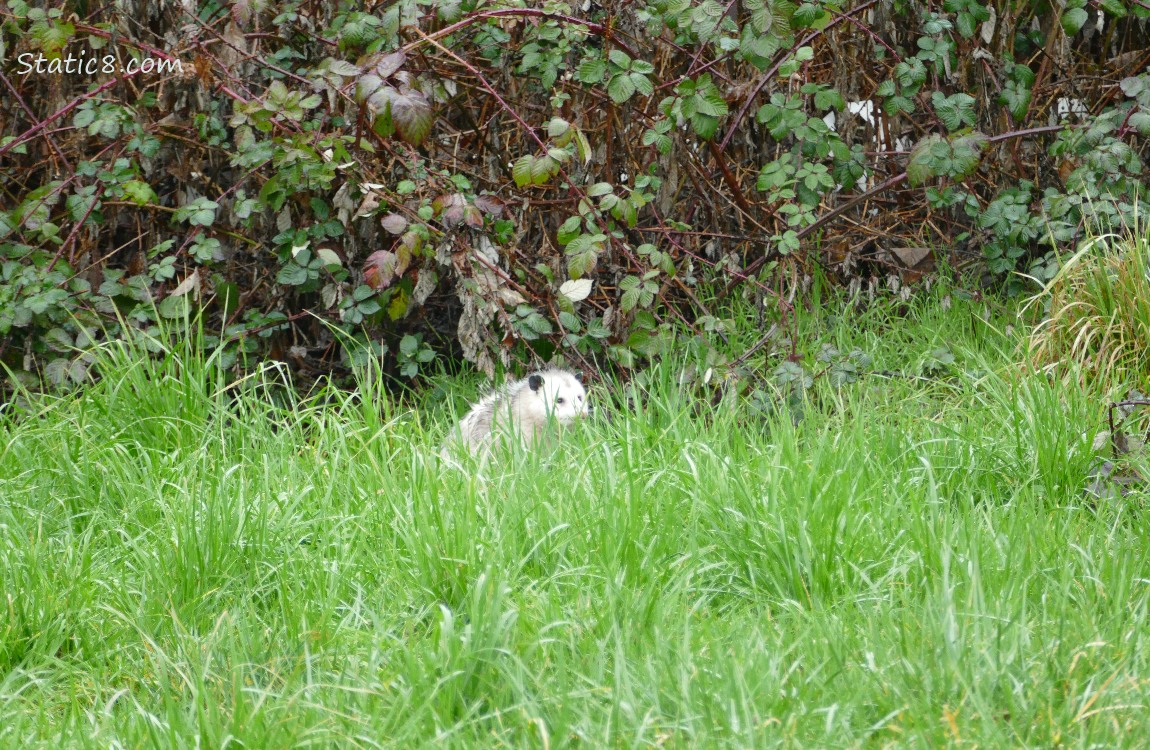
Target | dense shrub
(500,180)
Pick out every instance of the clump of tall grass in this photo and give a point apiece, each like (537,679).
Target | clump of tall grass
(1099,311)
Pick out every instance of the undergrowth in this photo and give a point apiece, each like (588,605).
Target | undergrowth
(906,559)
(1099,311)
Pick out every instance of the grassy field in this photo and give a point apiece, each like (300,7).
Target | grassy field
(913,563)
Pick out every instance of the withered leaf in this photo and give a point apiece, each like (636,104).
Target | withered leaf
(384,65)
(394,223)
(379,270)
(369,203)
(910,256)
(450,208)
(405,250)
(489,204)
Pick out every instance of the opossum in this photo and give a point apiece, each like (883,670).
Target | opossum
(521,410)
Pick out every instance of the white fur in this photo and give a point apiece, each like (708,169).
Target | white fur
(517,411)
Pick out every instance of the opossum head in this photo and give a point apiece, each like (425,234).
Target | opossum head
(557,394)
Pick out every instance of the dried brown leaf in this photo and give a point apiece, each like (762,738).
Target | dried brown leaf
(489,204)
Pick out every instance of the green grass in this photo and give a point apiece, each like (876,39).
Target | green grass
(912,564)
(1099,310)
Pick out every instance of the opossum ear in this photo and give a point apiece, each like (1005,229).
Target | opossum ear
(535,382)
(579,376)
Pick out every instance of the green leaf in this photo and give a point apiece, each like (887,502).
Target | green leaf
(582,147)
(200,212)
(579,264)
(569,230)
(56,371)
(521,170)
(1113,8)
(620,58)
(897,104)
(139,192)
(762,18)
(174,308)
(557,127)
(663,143)
(570,322)
(292,274)
(806,15)
(1073,20)
(911,72)
(539,324)
(631,294)
(328,257)
(542,170)
(966,155)
(559,155)
(382,125)
(53,37)
(620,88)
(642,84)
(704,126)
(966,25)
(1016,99)
(397,308)
(411,113)
(1140,121)
(829,99)
(591,71)
(582,254)
(954,111)
(711,103)
(920,167)
(342,67)
(84,117)
(1133,86)
(1023,75)
(205,249)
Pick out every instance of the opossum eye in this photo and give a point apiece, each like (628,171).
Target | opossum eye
(560,401)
